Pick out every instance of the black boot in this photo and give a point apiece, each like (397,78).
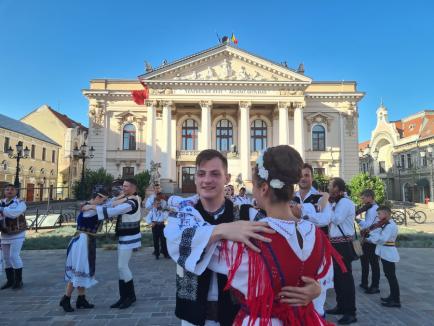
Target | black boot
(82,303)
(18,283)
(10,276)
(121,293)
(65,303)
(130,295)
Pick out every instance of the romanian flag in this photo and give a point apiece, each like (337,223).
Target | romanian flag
(140,96)
(234,39)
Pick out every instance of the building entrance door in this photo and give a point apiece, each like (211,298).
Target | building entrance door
(188,185)
(30,191)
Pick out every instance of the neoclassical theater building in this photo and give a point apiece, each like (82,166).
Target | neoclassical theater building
(224,98)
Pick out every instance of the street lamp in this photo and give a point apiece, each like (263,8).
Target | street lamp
(399,168)
(20,154)
(429,155)
(374,156)
(83,154)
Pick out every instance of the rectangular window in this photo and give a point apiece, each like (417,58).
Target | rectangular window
(32,152)
(409,164)
(44,153)
(382,166)
(402,161)
(6,145)
(127,172)
(53,156)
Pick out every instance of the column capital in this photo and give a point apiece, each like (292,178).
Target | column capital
(153,103)
(283,105)
(245,104)
(205,104)
(168,104)
(299,105)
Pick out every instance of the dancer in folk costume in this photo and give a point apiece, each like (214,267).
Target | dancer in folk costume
(13,232)
(384,235)
(262,276)
(369,258)
(201,299)
(81,256)
(127,209)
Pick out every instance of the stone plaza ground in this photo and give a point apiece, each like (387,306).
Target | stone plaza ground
(38,302)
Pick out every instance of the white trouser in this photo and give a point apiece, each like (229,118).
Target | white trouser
(207,323)
(11,254)
(124,256)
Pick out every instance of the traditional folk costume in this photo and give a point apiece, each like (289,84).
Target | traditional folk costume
(128,230)
(13,232)
(255,279)
(200,299)
(311,211)
(81,252)
(369,258)
(384,238)
(156,217)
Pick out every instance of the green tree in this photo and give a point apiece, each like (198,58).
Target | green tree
(84,190)
(321,181)
(142,179)
(363,181)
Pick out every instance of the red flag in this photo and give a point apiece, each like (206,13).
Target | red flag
(139,96)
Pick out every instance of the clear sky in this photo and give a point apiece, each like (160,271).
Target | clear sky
(49,50)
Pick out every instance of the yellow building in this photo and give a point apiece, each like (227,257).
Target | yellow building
(69,134)
(38,172)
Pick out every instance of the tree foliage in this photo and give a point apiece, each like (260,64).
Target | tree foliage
(143,179)
(321,181)
(363,181)
(92,179)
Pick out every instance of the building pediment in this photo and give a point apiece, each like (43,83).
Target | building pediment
(224,63)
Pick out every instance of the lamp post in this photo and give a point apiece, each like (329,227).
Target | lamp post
(429,155)
(374,156)
(83,154)
(399,167)
(20,154)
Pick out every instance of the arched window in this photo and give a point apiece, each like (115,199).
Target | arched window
(224,135)
(189,135)
(318,138)
(258,135)
(129,137)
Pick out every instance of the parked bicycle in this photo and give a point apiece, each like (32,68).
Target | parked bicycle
(401,215)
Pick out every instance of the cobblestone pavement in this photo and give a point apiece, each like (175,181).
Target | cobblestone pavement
(38,302)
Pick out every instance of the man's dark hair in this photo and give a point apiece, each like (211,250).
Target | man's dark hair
(9,185)
(308,166)
(132,181)
(339,183)
(209,154)
(385,209)
(243,188)
(368,193)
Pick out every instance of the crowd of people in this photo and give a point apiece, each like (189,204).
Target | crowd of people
(263,259)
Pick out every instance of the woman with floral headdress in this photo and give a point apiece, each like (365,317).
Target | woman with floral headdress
(296,252)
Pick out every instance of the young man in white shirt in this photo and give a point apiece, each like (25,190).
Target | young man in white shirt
(369,258)
(384,237)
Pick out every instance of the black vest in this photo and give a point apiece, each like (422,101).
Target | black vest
(195,311)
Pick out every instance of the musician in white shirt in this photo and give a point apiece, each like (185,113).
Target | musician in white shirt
(384,237)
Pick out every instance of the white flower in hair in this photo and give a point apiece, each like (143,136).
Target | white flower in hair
(276,183)
(263,173)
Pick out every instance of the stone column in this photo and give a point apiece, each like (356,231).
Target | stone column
(205,125)
(283,123)
(299,129)
(99,127)
(166,148)
(151,119)
(244,148)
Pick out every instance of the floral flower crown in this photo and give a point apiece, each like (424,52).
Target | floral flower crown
(263,172)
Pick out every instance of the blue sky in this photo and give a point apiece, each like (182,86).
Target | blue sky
(49,50)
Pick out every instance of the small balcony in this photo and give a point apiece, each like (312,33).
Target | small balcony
(125,155)
(188,156)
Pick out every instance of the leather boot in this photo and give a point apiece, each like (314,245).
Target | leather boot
(121,293)
(65,303)
(10,276)
(82,303)
(130,295)
(18,283)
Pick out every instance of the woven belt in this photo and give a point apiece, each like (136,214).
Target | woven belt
(341,239)
(389,244)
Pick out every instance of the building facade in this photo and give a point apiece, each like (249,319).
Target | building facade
(227,99)
(38,172)
(401,153)
(69,134)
